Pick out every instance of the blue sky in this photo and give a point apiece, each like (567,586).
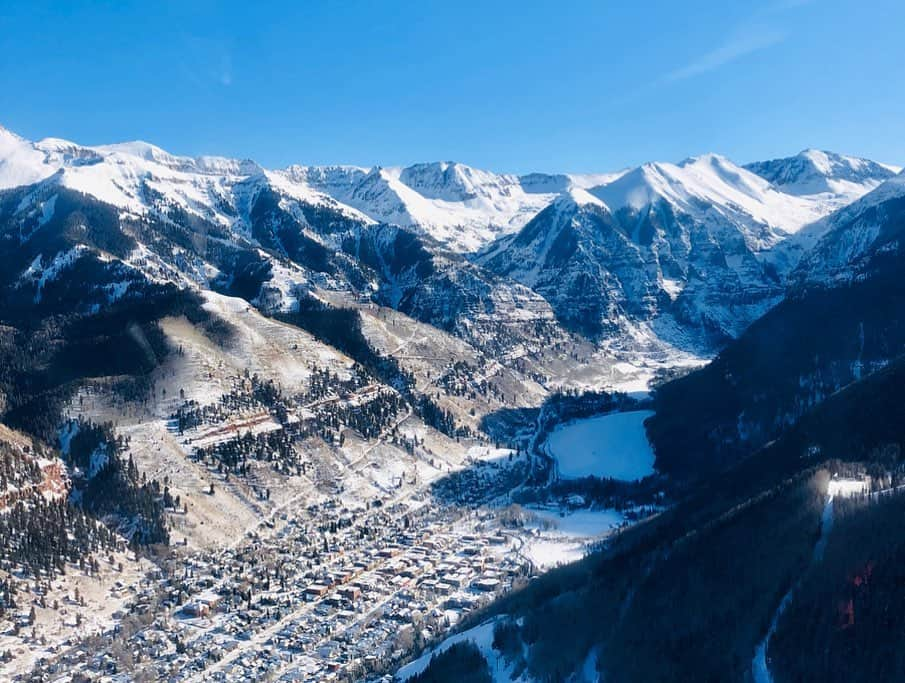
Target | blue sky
(574,85)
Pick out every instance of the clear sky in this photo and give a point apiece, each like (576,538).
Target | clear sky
(561,85)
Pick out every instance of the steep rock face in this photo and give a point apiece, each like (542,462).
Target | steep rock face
(684,254)
(461,207)
(445,290)
(580,260)
(847,245)
(454,182)
(684,281)
(28,470)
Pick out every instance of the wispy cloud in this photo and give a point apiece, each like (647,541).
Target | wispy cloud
(740,45)
(758,33)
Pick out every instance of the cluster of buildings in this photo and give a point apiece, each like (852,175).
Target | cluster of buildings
(334,595)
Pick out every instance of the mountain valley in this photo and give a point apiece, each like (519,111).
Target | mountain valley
(300,423)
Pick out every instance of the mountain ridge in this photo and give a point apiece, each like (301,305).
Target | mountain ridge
(661,256)
(460,205)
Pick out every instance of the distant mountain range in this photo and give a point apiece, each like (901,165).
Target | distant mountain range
(663,256)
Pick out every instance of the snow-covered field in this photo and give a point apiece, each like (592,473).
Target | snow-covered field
(613,445)
(562,539)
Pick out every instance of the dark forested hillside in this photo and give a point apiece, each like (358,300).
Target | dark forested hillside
(460,663)
(802,351)
(689,594)
(39,530)
(847,621)
(683,597)
(843,318)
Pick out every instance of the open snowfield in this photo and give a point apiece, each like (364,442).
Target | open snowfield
(559,539)
(578,524)
(613,446)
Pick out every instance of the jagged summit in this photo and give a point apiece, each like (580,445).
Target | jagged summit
(462,207)
(693,250)
(817,172)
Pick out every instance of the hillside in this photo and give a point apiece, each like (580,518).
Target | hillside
(823,336)
(715,568)
(785,457)
(685,255)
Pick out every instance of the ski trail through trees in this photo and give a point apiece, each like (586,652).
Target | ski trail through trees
(760,667)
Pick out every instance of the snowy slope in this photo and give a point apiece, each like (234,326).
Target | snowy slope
(711,186)
(502,669)
(685,254)
(843,246)
(681,253)
(206,221)
(141,178)
(461,207)
(482,637)
(835,179)
(21,163)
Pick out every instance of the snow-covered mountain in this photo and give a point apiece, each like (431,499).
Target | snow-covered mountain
(687,253)
(848,243)
(839,322)
(712,189)
(230,226)
(835,178)
(462,207)
(141,178)
(685,250)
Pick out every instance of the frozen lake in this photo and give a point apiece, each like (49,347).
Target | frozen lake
(613,445)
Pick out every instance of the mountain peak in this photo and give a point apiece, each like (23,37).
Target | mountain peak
(816,171)
(138,148)
(453,181)
(709,158)
(578,198)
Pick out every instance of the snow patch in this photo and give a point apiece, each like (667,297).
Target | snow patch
(482,637)
(561,537)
